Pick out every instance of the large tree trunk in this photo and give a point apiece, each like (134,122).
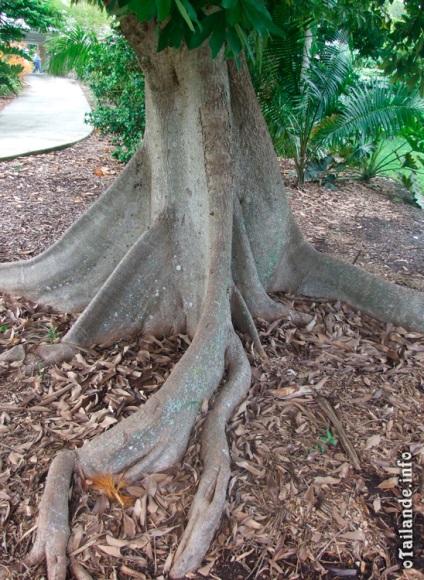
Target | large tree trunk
(191,237)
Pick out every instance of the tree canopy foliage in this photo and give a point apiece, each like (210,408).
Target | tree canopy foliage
(404,59)
(16,18)
(246,24)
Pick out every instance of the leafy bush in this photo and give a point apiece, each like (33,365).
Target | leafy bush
(10,82)
(115,79)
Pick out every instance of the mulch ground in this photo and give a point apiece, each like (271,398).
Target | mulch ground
(315,484)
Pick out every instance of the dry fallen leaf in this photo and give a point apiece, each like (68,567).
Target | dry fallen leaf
(373,441)
(107,484)
(377,505)
(389,483)
(327,480)
(110,550)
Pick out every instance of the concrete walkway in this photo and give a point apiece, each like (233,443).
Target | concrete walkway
(47,115)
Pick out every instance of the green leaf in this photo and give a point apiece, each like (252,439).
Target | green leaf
(217,39)
(244,41)
(164,9)
(145,10)
(409,162)
(213,21)
(259,18)
(172,34)
(187,12)
(120,8)
(419,199)
(233,11)
(233,41)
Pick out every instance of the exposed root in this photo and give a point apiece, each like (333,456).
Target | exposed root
(53,527)
(141,294)
(206,510)
(150,440)
(323,276)
(78,571)
(243,320)
(13,355)
(245,274)
(71,272)
(43,355)
(51,354)
(155,437)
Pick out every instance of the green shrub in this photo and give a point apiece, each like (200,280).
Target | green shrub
(117,84)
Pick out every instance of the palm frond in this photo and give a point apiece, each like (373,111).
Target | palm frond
(374,110)
(327,77)
(70,50)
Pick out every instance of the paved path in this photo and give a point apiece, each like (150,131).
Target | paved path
(47,115)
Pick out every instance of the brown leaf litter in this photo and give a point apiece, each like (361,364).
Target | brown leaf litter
(297,505)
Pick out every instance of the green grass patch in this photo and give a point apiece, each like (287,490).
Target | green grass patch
(398,146)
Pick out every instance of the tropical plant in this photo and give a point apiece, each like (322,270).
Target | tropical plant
(295,99)
(378,111)
(71,50)
(362,133)
(366,160)
(324,107)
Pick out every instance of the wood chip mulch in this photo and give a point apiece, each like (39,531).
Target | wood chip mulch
(315,484)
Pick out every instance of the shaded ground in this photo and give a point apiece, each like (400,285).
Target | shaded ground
(297,506)
(361,223)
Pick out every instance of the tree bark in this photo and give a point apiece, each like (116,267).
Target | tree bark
(191,237)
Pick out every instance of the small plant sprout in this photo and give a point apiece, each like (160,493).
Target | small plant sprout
(4,328)
(52,334)
(329,438)
(40,368)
